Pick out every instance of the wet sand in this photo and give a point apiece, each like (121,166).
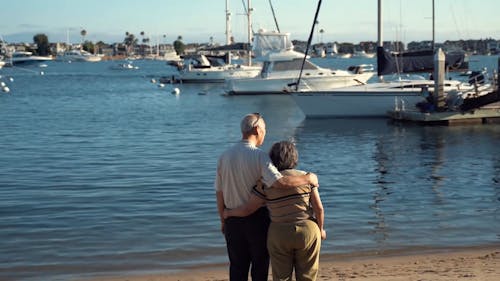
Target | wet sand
(475,264)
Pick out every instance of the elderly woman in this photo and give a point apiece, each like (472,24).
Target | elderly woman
(297,217)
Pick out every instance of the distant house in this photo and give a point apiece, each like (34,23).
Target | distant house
(493,47)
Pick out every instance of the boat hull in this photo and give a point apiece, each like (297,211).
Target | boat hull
(29,60)
(216,74)
(349,104)
(259,85)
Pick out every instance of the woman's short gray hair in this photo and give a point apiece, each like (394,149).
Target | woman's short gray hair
(284,155)
(251,121)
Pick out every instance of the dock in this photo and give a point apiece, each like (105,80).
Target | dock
(479,107)
(482,115)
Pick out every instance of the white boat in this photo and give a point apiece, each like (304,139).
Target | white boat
(170,56)
(363,54)
(210,69)
(203,70)
(370,100)
(26,58)
(78,56)
(373,99)
(281,69)
(207,69)
(2,63)
(124,66)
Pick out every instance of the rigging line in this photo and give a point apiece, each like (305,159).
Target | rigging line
(315,22)
(455,21)
(274,16)
(244,7)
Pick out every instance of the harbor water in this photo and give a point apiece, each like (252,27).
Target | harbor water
(104,172)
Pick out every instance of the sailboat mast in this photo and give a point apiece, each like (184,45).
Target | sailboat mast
(433,26)
(249,15)
(228,24)
(379,25)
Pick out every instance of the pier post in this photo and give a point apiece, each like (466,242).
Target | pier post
(439,62)
(498,73)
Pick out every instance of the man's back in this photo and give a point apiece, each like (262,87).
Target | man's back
(238,170)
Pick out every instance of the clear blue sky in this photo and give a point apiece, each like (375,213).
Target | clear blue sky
(198,20)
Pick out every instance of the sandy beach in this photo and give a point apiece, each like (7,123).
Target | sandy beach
(473,264)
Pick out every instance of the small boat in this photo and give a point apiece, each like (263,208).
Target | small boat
(363,54)
(124,66)
(210,69)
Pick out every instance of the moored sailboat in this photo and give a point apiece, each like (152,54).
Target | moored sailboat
(376,99)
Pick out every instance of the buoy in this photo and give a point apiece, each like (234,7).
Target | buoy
(176,91)
(161,85)
(11,79)
(5,89)
(153,80)
(42,73)
(2,84)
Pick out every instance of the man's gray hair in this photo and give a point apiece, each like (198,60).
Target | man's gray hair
(251,121)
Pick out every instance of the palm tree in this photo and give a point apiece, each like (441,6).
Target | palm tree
(129,41)
(179,45)
(83,33)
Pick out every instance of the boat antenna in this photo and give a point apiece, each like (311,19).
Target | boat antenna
(308,45)
(274,16)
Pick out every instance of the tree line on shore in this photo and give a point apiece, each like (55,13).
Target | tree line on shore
(42,46)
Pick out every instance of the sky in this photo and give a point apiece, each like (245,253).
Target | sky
(199,20)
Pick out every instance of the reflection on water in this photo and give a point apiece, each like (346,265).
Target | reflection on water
(392,185)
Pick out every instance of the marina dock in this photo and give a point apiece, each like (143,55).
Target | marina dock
(483,115)
(481,107)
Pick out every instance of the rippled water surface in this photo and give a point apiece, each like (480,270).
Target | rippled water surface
(103,171)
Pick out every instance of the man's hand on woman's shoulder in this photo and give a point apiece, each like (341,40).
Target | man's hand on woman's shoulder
(313,179)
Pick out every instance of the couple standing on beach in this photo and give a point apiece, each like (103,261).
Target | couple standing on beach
(289,229)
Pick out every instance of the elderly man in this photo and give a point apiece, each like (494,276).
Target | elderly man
(238,170)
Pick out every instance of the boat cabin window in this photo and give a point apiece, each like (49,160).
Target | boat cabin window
(295,64)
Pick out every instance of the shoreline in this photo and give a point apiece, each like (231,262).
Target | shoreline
(481,263)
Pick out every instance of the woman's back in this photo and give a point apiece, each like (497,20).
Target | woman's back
(287,205)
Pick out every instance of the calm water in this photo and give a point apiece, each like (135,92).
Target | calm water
(104,172)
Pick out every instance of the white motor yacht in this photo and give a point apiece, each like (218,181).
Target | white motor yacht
(26,58)
(78,56)
(282,69)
